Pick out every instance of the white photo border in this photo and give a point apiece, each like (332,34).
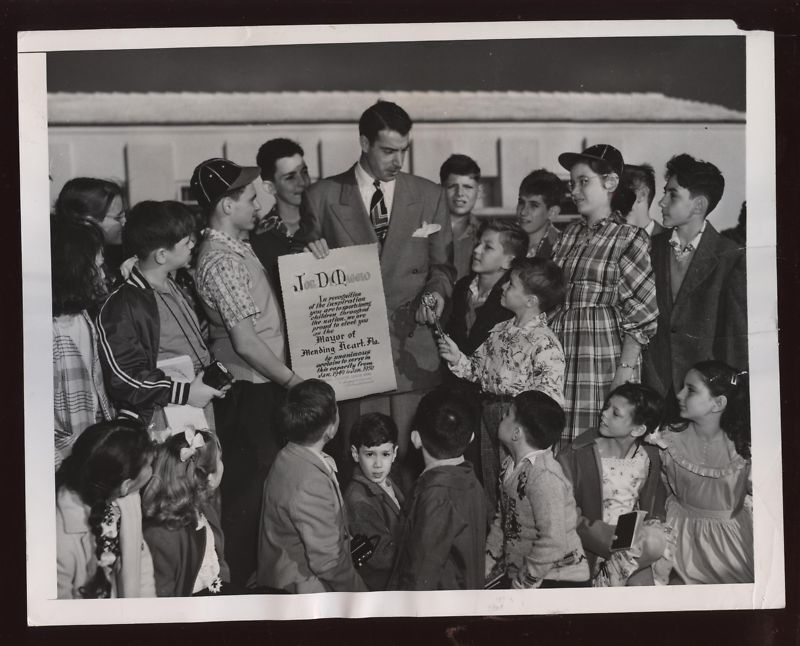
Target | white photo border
(768,591)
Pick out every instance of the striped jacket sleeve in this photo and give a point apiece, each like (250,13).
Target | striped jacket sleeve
(132,379)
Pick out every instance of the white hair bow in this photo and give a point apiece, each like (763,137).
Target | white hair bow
(194,440)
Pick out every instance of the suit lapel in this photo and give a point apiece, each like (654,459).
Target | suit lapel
(702,265)
(404,219)
(351,213)
(659,253)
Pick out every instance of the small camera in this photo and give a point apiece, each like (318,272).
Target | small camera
(362,548)
(216,375)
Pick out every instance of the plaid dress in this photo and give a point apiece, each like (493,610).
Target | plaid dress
(611,291)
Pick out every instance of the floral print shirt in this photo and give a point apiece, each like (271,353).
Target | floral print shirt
(515,359)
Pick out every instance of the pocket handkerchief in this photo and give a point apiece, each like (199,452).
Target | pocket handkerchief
(425,230)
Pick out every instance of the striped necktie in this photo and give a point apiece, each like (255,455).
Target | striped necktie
(378,213)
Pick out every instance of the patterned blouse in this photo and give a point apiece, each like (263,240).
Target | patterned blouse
(515,359)
(223,280)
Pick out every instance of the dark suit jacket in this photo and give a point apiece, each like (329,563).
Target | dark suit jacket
(707,320)
(332,209)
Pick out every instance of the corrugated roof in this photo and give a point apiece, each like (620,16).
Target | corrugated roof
(331,107)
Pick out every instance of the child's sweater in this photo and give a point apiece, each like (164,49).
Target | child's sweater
(533,535)
(515,359)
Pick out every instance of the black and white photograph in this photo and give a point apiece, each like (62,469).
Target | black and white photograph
(582,324)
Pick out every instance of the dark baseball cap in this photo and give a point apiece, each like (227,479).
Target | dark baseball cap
(213,178)
(600,152)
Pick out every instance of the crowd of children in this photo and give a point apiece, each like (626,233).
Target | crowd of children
(539,443)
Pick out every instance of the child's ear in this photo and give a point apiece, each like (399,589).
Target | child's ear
(700,204)
(416,440)
(125,487)
(159,255)
(533,300)
(269,186)
(639,431)
(611,182)
(720,403)
(354,453)
(553,211)
(471,438)
(394,453)
(507,260)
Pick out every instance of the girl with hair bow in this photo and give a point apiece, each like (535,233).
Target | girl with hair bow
(181,524)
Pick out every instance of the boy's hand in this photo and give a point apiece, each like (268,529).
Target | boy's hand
(201,393)
(448,350)
(424,315)
(319,248)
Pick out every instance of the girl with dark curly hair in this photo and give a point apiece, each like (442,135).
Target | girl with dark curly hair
(78,287)
(99,545)
(706,462)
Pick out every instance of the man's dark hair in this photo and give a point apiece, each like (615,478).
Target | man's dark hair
(543,182)
(541,418)
(512,237)
(459,165)
(383,115)
(309,409)
(444,423)
(273,150)
(543,278)
(648,405)
(373,429)
(637,176)
(151,225)
(698,177)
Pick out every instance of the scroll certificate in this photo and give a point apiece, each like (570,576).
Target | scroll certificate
(336,320)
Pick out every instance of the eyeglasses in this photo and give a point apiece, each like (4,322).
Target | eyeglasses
(583,181)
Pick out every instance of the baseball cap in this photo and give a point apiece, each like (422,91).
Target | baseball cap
(599,152)
(213,178)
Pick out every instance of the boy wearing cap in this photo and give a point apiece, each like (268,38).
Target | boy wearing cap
(247,335)
(700,281)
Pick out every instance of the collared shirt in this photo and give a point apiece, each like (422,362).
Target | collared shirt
(607,265)
(446,462)
(515,359)
(550,236)
(680,251)
(366,186)
(271,222)
(224,282)
(509,466)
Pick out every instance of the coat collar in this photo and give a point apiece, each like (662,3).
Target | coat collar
(375,489)
(703,263)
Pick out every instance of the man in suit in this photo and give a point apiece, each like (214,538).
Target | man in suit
(374,202)
(642,181)
(700,282)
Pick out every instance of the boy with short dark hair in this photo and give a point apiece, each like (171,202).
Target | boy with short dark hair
(373,501)
(442,545)
(701,283)
(461,179)
(540,196)
(148,319)
(303,542)
(533,541)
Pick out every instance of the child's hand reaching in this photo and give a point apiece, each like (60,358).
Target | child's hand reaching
(448,350)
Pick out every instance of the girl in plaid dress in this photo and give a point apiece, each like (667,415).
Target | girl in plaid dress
(610,309)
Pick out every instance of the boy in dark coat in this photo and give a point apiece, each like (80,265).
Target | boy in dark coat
(373,501)
(443,541)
